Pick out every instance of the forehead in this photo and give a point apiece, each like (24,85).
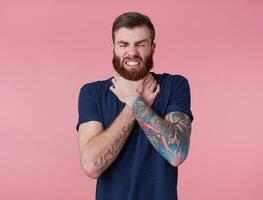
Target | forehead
(132,34)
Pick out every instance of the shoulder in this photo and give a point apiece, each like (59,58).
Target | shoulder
(96,86)
(177,78)
(173,80)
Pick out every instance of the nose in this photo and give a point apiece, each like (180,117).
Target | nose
(132,51)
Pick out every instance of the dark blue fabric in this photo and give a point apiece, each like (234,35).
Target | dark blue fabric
(139,172)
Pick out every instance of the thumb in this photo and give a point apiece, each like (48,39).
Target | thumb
(140,88)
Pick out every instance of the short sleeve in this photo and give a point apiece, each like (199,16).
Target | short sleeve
(181,97)
(87,106)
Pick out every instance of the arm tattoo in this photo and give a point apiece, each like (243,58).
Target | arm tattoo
(112,153)
(169,136)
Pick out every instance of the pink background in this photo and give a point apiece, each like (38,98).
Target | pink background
(50,48)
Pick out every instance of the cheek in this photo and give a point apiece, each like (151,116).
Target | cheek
(144,52)
(144,56)
(119,53)
(117,50)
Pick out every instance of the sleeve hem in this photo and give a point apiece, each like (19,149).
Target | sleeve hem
(186,111)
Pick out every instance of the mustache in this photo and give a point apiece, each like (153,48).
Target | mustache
(137,58)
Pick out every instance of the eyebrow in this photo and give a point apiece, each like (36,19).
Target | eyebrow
(124,42)
(141,41)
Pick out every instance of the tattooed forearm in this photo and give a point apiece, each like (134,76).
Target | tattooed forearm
(169,136)
(106,159)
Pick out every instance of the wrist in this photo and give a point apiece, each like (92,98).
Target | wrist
(128,111)
(131,100)
(138,98)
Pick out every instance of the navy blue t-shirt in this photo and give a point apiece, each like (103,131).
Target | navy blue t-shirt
(139,172)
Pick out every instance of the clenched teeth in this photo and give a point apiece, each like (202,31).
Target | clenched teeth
(132,63)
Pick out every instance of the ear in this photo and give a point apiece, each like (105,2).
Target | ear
(153,47)
(112,47)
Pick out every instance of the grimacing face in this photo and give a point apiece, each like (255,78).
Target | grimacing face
(133,52)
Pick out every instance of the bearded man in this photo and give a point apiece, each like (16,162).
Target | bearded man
(134,128)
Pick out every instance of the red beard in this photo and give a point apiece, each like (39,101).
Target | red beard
(132,75)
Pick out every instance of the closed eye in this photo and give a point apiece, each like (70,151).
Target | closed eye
(122,45)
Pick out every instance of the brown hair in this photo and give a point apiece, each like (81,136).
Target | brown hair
(132,20)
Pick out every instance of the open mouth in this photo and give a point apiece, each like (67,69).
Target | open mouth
(132,63)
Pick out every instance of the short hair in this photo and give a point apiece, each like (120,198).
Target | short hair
(132,20)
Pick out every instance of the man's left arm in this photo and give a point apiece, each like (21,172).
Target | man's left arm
(169,136)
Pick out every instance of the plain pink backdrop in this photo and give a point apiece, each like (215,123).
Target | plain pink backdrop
(50,48)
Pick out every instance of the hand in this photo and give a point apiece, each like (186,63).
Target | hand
(125,90)
(148,93)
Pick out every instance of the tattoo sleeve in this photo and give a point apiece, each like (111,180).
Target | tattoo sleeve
(169,136)
(106,159)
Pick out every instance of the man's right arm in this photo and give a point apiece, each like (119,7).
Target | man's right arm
(98,147)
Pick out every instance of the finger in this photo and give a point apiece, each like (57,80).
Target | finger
(150,75)
(158,89)
(116,77)
(113,80)
(146,82)
(140,88)
(148,85)
(148,79)
(153,85)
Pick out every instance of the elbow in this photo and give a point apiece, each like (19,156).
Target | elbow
(90,170)
(179,158)
(91,173)
(178,161)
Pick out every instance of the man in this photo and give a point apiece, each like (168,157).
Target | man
(134,128)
